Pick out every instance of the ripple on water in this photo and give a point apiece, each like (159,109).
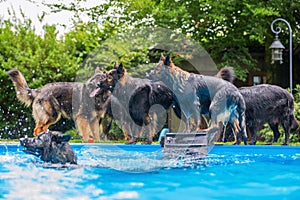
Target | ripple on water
(100,174)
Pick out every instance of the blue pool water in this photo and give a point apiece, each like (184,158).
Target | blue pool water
(142,172)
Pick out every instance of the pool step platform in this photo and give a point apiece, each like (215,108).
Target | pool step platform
(186,143)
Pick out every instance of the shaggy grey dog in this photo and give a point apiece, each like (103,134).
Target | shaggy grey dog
(199,95)
(50,146)
(269,104)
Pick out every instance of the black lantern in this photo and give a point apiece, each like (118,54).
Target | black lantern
(277,49)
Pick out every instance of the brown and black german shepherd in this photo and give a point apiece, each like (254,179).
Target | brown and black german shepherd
(82,102)
(50,146)
(135,100)
(200,95)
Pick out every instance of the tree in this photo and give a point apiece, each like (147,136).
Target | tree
(228,30)
(42,59)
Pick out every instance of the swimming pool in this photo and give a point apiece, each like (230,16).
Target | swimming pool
(141,172)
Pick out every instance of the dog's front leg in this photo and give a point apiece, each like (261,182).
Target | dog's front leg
(287,135)
(242,126)
(195,123)
(126,131)
(84,128)
(253,133)
(40,127)
(105,125)
(94,125)
(276,133)
(150,129)
(188,119)
(134,132)
(212,131)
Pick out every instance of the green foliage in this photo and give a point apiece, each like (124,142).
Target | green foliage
(115,132)
(42,59)
(45,59)
(228,30)
(74,133)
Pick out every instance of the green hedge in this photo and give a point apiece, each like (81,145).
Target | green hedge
(42,59)
(47,58)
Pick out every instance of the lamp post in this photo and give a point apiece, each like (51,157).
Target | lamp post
(277,48)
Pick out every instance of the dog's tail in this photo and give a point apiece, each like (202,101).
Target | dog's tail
(227,74)
(293,122)
(24,93)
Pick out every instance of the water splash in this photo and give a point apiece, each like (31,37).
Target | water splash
(135,161)
(122,171)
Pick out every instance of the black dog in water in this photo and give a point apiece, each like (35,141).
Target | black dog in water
(50,146)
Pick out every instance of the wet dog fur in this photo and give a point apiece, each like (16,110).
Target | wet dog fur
(202,95)
(269,104)
(50,146)
(81,102)
(133,99)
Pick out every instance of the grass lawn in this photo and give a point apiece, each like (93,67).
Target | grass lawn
(77,141)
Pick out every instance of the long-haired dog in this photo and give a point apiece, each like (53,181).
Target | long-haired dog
(82,102)
(135,102)
(201,95)
(50,146)
(269,104)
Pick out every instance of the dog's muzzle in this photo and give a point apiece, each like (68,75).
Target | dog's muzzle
(27,149)
(99,84)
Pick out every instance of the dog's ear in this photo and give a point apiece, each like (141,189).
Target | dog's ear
(121,69)
(98,70)
(167,61)
(162,58)
(115,65)
(62,138)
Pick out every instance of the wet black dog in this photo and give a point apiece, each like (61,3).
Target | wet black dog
(269,104)
(133,100)
(50,146)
